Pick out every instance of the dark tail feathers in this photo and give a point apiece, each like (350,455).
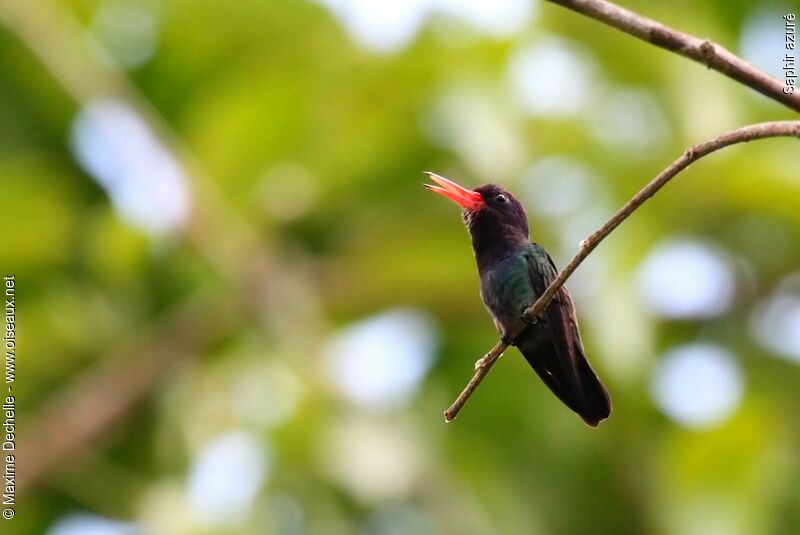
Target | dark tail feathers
(571,379)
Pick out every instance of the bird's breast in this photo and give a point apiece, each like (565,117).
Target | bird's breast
(506,290)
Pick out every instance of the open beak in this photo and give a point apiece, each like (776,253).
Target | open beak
(466,198)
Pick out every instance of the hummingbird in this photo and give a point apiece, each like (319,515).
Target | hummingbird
(514,272)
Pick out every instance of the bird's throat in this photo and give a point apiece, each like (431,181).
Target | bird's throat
(493,240)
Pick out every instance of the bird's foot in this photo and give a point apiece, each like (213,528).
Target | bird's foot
(533,321)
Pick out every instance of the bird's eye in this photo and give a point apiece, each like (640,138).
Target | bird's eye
(502,199)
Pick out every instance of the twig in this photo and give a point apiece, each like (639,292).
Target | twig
(741,135)
(703,51)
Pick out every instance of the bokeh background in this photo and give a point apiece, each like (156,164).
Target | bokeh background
(239,312)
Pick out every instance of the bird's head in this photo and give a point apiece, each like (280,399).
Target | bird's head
(486,209)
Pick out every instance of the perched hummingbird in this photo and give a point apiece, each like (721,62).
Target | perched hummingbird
(514,272)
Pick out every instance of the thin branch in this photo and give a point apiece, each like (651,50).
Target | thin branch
(702,51)
(741,135)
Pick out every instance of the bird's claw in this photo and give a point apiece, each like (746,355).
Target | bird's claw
(533,321)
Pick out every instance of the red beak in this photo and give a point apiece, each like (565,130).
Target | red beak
(466,198)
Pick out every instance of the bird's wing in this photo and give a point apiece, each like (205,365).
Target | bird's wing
(554,347)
